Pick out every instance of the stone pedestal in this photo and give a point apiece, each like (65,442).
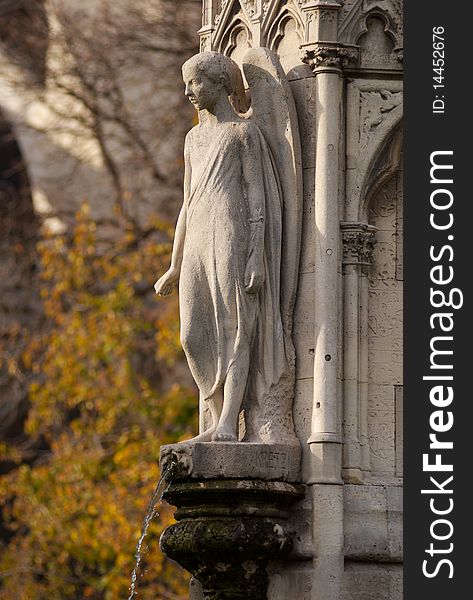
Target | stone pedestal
(271,462)
(227,532)
(230,521)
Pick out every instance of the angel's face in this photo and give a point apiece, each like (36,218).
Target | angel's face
(201,90)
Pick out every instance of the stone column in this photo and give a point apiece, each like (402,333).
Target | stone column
(363,377)
(358,242)
(327,59)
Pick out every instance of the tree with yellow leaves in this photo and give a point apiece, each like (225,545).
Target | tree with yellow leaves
(103,402)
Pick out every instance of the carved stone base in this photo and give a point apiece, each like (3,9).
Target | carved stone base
(227,531)
(244,460)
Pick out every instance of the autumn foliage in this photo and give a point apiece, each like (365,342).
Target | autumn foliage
(107,390)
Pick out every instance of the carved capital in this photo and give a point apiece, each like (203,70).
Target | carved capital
(358,243)
(325,55)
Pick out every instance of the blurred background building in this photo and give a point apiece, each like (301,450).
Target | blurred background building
(91,109)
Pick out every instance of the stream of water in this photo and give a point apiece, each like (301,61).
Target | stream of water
(151,512)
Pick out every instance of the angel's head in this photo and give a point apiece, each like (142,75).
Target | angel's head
(209,75)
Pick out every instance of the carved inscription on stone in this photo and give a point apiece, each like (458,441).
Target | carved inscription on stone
(272,460)
(381,436)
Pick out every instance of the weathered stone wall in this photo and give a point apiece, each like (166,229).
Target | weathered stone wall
(385,332)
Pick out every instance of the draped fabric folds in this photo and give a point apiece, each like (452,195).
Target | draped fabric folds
(219,319)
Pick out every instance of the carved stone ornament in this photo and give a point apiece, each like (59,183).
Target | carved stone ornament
(205,41)
(374,114)
(374,107)
(237,245)
(325,55)
(358,243)
(249,6)
(218,16)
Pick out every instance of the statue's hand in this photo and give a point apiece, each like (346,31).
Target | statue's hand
(254,277)
(165,285)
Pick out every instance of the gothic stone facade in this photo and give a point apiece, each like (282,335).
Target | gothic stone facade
(344,64)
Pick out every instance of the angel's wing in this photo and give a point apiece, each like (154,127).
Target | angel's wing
(274,111)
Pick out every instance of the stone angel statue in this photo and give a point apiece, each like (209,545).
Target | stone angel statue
(236,247)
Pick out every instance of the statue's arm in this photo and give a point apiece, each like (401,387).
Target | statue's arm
(179,238)
(253,179)
(165,285)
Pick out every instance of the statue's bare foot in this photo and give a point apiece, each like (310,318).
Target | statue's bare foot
(224,435)
(205,436)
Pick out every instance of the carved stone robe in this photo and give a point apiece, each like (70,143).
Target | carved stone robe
(219,319)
